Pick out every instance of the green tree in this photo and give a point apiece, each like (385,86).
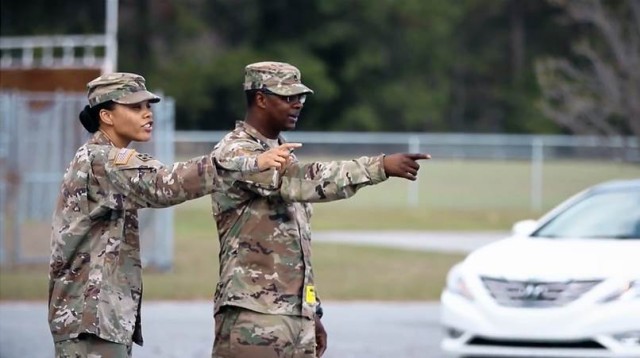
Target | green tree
(389,65)
(494,86)
(45,17)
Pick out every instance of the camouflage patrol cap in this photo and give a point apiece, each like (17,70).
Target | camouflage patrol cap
(278,77)
(120,87)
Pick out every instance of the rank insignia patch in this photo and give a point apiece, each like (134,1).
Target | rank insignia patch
(144,157)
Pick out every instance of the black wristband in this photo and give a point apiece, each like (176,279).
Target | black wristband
(319,311)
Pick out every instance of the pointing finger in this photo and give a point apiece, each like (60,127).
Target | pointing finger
(290,146)
(417,156)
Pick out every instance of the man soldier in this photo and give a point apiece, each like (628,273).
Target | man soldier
(265,303)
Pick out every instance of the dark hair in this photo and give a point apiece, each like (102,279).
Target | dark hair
(251,96)
(90,116)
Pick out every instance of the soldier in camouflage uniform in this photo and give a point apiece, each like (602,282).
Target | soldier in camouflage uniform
(265,303)
(95,283)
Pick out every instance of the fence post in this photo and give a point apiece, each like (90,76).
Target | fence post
(413,190)
(537,159)
(164,218)
(20,121)
(111,37)
(5,117)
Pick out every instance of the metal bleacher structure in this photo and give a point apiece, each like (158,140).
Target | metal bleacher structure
(59,62)
(42,89)
(58,52)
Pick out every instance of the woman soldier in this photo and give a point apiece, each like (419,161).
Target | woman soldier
(95,275)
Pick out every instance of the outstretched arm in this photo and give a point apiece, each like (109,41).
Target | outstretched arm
(141,181)
(321,181)
(329,181)
(318,182)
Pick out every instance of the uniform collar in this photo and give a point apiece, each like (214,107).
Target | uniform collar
(99,138)
(249,129)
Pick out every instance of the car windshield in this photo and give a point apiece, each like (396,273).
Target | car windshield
(606,214)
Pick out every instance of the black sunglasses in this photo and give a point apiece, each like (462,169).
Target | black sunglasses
(302,97)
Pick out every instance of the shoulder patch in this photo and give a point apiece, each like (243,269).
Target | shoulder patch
(123,156)
(144,157)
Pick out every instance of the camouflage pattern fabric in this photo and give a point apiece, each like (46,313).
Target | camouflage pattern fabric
(120,87)
(278,77)
(264,228)
(90,346)
(247,334)
(95,275)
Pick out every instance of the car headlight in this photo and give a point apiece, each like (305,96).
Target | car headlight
(456,283)
(628,291)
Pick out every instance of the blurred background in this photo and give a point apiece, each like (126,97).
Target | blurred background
(520,103)
(472,66)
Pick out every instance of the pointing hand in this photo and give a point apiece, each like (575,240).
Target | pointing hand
(403,165)
(277,157)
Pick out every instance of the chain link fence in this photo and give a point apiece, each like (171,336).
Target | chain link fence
(39,134)
(533,165)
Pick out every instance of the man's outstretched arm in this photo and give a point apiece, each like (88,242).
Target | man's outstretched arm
(328,181)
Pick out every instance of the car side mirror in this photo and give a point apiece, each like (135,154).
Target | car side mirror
(524,227)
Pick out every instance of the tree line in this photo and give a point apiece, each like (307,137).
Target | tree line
(510,66)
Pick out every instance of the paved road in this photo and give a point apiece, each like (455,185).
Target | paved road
(185,330)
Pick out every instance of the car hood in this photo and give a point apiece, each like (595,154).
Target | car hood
(556,259)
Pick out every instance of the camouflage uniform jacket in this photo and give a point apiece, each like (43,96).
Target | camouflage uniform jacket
(95,276)
(264,229)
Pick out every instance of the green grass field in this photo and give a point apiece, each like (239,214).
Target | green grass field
(452,195)
(343,272)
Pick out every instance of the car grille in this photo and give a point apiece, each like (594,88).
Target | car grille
(583,344)
(535,293)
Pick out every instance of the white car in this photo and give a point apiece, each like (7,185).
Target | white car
(567,285)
